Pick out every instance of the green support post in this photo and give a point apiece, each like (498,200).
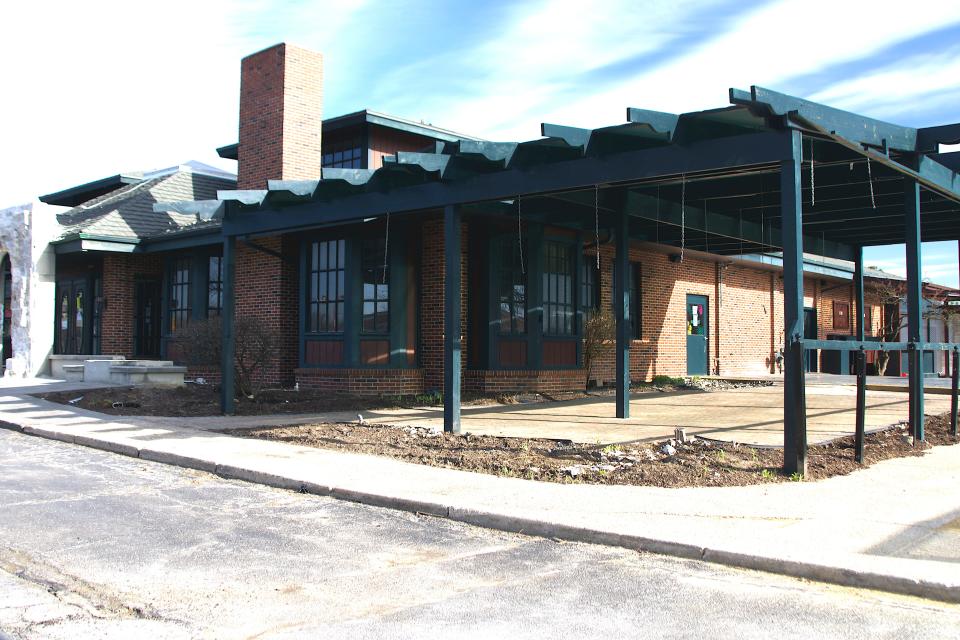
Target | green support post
(227,383)
(794,393)
(861,356)
(451,320)
(953,393)
(622,300)
(911,198)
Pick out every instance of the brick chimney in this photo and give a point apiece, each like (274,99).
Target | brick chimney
(281,114)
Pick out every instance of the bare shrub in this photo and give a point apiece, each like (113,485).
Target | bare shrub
(201,344)
(599,331)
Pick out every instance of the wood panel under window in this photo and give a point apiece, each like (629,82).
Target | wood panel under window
(375,352)
(559,353)
(512,353)
(324,352)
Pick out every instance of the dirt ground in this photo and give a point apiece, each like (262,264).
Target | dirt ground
(664,464)
(204,400)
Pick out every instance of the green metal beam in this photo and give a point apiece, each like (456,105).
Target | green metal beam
(911,213)
(794,393)
(228,344)
(451,319)
(853,127)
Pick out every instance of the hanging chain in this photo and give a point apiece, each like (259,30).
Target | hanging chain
(683,215)
(520,237)
(873,201)
(596,221)
(813,184)
(386,248)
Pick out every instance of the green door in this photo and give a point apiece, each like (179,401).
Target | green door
(698,335)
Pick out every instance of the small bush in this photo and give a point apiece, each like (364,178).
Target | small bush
(598,332)
(668,381)
(201,344)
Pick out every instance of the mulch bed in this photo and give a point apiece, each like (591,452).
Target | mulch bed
(700,463)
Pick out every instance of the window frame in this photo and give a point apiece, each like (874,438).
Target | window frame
(180,264)
(556,296)
(635,290)
(372,250)
(312,325)
(513,272)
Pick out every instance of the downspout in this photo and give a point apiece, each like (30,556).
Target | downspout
(720,268)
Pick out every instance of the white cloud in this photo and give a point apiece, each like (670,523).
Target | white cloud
(773,43)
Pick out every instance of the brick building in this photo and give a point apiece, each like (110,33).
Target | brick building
(364,240)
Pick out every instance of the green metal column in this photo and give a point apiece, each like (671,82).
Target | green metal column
(451,320)
(860,355)
(227,390)
(955,383)
(911,200)
(794,395)
(621,296)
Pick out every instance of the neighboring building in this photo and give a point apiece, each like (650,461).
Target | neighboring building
(109,276)
(26,282)
(341,253)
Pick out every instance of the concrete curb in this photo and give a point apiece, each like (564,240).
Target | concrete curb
(940,391)
(844,576)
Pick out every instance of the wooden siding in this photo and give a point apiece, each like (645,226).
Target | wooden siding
(324,352)
(375,352)
(386,142)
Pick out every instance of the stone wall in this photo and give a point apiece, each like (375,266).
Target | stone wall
(25,233)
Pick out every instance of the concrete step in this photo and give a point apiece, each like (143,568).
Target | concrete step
(147,375)
(72,372)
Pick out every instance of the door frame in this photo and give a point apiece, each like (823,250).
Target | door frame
(694,298)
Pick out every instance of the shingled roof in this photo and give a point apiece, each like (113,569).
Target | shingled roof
(127,212)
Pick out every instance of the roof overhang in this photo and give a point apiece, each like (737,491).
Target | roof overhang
(85,192)
(358,118)
(81,242)
(708,180)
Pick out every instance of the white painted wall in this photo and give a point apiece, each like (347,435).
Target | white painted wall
(25,234)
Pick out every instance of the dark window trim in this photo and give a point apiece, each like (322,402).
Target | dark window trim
(559,301)
(510,268)
(635,289)
(372,267)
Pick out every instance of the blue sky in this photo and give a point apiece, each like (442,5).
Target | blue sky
(99,87)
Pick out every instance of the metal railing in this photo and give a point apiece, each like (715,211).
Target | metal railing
(860,348)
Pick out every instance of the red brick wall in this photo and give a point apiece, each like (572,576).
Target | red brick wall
(547,381)
(120,271)
(281,112)
(432,300)
(267,288)
(362,382)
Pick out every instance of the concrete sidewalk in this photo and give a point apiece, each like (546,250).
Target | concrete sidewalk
(894,526)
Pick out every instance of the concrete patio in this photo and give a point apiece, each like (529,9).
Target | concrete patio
(751,415)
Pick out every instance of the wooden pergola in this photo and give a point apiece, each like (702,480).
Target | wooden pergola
(770,172)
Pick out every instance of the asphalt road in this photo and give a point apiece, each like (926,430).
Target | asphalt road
(99,545)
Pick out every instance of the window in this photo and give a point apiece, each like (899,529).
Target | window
(512,288)
(558,289)
(345,155)
(179,310)
(326,286)
(214,286)
(376,287)
(635,290)
(868,319)
(589,291)
(841,315)
(97,313)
